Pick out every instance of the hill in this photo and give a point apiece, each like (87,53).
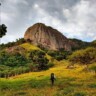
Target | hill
(23,58)
(93,43)
(26,65)
(45,36)
(79,44)
(69,82)
(49,38)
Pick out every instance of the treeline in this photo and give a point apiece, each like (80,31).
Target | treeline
(12,64)
(79,44)
(11,44)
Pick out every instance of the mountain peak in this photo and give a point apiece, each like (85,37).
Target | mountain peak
(39,24)
(48,37)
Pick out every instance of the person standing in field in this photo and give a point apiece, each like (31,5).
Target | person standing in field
(52,78)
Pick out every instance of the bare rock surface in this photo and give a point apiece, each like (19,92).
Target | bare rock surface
(52,39)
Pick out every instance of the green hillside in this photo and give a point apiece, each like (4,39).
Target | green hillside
(25,71)
(69,82)
(79,44)
(23,58)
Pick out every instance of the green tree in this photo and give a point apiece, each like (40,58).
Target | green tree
(3,30)
(59,55)
(38,58)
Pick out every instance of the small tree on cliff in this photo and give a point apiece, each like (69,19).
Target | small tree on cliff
(3,30)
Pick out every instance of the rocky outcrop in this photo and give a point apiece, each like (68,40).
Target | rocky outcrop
(52,39)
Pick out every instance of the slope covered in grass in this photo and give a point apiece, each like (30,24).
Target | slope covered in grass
(29,46)
(69,82)
(23,59)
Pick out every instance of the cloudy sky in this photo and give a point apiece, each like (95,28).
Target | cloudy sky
(74,18)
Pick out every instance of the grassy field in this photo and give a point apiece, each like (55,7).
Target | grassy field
(69,82)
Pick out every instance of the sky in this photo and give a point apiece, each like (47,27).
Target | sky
(73,18)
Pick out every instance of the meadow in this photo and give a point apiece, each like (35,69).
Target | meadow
(69,82)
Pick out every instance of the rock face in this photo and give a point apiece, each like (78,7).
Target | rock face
(46,36)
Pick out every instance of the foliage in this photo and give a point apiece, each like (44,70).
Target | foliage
(38,57)
(11,44)
(12,64)
(59,55)
(15,63)
(50,64)
(42,48)
(86,56)
(93,68)
(12,60)
(79,44)
(93,43)
(3,30)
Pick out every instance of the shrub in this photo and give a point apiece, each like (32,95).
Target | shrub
(38,57)
(12,60)
(50,64)
(59,55)
(86,56)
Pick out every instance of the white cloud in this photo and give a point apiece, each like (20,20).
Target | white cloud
(5,17)
(66,13)
(73,19)
(36,6)
(80,21)
(18,1)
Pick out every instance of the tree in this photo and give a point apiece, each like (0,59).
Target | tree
(38,58)
(3,30)
(59,55)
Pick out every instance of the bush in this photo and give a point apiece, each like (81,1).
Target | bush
(50,64)
(38,57)
(14,63)
(86,56)
(12,60)
(59,55)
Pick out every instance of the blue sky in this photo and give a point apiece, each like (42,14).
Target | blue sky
(74,18)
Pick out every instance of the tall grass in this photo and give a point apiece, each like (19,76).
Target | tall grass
(69,82)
